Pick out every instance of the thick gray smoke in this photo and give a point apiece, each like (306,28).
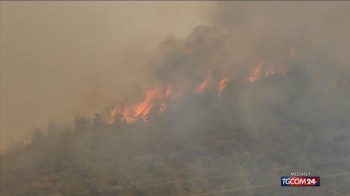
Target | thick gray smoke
(239,142)
(243,34)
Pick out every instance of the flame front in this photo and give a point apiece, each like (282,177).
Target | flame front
(222,85)
(26,141)
(165,97)
(203,85)
(255,73)
(153,97)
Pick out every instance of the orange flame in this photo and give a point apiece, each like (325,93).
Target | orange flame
(255,73)
(26,141)
(114,114)
(155,96)
(262,71)
(222,85)
(129,116)
(161,99)
(203,85)
(144,108)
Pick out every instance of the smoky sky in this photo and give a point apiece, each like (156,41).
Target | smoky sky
(241,35)
(63,59)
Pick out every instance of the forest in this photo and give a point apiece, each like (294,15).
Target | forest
(260,91)
(201,147)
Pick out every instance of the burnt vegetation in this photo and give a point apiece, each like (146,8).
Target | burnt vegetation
(292,114)
(200,147)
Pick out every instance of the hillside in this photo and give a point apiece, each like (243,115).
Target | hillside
(203,146)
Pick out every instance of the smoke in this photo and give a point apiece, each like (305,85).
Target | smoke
(61,59)
(262,86)
(308,39)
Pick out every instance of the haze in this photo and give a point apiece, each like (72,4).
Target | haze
(174,98)
(62,59)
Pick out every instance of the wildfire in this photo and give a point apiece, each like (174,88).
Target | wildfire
(166,97)
(261,71)
(26,141)
(203,85)
(154,97)
(222,85)
(255,73)
(129,115)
